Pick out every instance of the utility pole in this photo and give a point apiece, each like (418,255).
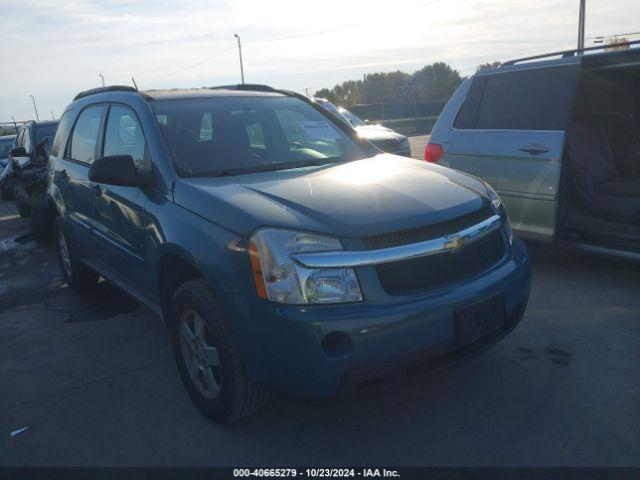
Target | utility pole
(34,107)
(52,115)
(306,92)
(15,124)
(581,26)
(102,78)
(240,54)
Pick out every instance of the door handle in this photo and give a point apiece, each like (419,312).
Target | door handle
(535,149)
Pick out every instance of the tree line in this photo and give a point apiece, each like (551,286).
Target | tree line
(435,82)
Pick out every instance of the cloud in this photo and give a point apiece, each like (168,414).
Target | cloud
(58,48)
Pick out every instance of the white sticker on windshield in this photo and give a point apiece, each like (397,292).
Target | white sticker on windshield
(318,129)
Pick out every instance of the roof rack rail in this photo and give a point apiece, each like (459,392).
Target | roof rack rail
(569,53)
(255,87)
(110,88)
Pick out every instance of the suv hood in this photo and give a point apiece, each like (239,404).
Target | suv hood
(377,195)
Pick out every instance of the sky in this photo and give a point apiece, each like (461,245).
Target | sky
(53,49)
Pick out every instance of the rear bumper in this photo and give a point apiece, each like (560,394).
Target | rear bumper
(285,347)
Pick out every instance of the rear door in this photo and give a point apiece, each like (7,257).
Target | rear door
(72,176)
(510,131)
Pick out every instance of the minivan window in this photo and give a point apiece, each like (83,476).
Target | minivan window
(84,139)
(536,99)
(232,135)
(124,135)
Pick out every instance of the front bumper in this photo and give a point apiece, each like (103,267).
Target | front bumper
(282,345)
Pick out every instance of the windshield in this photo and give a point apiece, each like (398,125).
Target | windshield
(5,147)
(46,132)
(351,118)
(232,135)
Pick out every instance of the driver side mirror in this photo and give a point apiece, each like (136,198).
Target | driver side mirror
(116,170)
(19,151)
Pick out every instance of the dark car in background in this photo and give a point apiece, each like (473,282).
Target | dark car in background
(25,173)
(6,144)
(382,137)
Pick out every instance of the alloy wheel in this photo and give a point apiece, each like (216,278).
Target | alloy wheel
(200,354)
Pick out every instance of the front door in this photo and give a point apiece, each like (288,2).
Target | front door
(118,212)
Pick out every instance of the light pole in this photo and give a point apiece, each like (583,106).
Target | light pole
(102,78)
(581,26)
(34,107)
(240,54)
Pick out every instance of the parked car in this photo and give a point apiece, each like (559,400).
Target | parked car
(382,137)
(283,251)
(26,174)
(6,143)
(559,140)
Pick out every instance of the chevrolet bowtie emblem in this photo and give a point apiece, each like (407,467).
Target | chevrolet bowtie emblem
(454,243)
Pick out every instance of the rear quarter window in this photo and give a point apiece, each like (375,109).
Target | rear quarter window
(537,99)
(62,132)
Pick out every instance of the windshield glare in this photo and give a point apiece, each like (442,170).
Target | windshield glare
(351,118)
(230,135)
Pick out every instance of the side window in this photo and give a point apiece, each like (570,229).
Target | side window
(526,100)
(84,139)
(26,139)
(19,137)
(124,135)
(468,113)
(63,130)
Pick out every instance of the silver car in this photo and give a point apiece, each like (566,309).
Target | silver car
(382,137)
(559,140)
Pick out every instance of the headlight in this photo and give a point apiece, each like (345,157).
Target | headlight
(499,207)
(280,279)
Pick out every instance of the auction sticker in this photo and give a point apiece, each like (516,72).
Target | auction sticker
(318,129)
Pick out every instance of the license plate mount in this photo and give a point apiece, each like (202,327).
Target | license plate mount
(472,322)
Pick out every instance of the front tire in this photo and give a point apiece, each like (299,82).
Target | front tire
(77,275)
(209,363)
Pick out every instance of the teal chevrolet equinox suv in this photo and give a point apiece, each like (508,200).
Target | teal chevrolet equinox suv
(283,251)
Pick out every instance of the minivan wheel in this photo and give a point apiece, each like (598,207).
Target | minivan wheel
(208,361)
(77,275)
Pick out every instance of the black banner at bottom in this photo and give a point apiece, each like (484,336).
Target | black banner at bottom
(405,473)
